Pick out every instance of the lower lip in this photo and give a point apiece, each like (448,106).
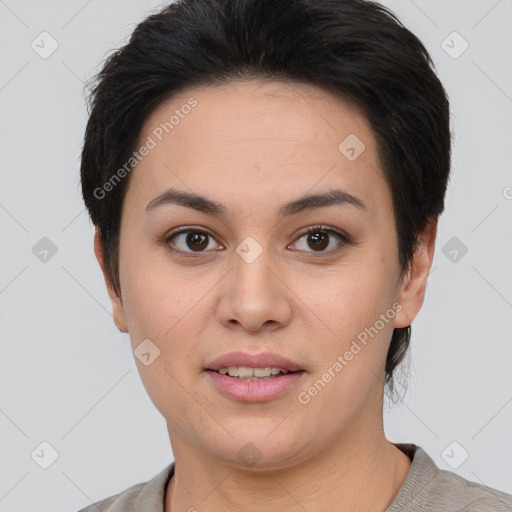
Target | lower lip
(255,390)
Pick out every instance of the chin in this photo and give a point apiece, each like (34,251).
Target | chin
(259,449)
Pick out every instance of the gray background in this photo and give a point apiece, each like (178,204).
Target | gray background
(68,377)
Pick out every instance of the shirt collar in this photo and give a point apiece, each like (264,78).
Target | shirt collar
(152,495)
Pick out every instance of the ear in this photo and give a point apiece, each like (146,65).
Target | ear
(414,282)
(117,305)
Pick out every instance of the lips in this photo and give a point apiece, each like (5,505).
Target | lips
(261,360)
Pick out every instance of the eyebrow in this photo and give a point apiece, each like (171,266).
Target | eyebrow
(300,205)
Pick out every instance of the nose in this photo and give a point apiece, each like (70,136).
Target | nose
(254,296)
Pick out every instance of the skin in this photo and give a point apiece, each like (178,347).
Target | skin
(254,146)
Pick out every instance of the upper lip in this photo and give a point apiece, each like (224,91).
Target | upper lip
(261,360)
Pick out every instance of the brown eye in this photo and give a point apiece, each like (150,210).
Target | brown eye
(321,240)
(189,241)
(318,241)
(197,241)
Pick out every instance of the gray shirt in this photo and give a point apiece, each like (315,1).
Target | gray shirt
(426,489)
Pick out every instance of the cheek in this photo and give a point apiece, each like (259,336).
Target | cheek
(154,298)
(167,388)
(169,307)
(161,311)
(352,338)
(167,310)
(353,347)
(350,298)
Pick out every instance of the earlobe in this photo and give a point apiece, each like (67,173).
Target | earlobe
(118,313)
(412,291)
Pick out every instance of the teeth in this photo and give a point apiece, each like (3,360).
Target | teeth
(262,372)
(247,373)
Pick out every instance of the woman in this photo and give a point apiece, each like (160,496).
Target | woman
(265,179)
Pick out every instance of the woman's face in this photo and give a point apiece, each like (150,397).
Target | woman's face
(247,277)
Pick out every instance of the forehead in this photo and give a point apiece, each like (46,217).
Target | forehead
(254,140)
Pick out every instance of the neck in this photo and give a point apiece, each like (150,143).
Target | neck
(360,472)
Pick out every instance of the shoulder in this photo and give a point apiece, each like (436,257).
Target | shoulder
(428,488)
(142,496)
(452,490)
(123,501)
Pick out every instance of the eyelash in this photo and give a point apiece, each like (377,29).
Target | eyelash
(343,238)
